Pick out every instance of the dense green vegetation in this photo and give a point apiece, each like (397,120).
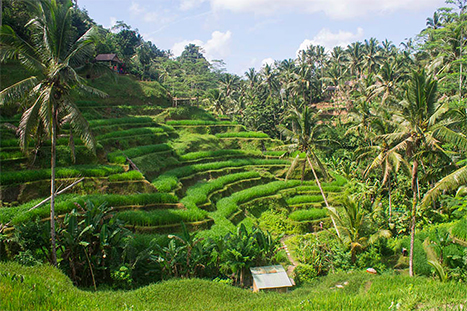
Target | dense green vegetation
(353,158)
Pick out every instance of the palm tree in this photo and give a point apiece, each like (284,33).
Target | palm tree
(52,54)
(304,139)
(421,129)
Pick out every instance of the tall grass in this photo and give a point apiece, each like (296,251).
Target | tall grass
(20,213)
(132,132)
(161,216)
(304,199)
(308,214)
(131,175)
(227,206)
(7,178)
(128,120)
(242,135)
(169,180)
(199,122)
(199,193)
(217,153)
(119,157)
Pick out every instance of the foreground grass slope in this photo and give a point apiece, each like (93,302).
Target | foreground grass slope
(45,288)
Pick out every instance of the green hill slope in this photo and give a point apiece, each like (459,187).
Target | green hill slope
(45,288)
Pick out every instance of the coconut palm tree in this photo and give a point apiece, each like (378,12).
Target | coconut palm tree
(304,139)
(421,129)
(52,54)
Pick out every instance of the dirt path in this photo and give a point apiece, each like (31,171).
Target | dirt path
(293,262)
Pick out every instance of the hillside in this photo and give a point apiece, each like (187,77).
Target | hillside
(195,168)
(44,287)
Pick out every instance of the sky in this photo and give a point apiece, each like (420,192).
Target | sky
(250,33)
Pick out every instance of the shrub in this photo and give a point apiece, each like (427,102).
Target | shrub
(460,229)
(242,135)
(304,273)
(131,175)
(309,214)
(119,157)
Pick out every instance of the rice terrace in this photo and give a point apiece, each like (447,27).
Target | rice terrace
(138,178)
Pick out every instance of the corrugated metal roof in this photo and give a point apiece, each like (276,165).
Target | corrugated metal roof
(270,277)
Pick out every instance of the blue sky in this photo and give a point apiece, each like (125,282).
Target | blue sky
(248,33)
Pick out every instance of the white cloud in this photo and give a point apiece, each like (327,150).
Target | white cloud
(267,61)
(338,9)
(328,39)
(148,16)
(190,4)
(216,47)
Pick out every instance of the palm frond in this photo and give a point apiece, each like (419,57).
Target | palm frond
(18,90)
(79,124)
(292,167)
(448,183)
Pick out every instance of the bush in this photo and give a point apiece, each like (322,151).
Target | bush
(309,214)
(242,135)
(7,178)
(304,273)
(131,175)
(460,229)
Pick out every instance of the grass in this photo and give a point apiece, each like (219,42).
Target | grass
(169,180)
(46,288)
(192,156)
(132,132)
(66,203)
(161,216)
(7,178)
(127,120)
(242,135)
(199,193)
(227,206)
(135,141)
(119,156)
(198,122)
(131,175)
(304,199)
(308,214)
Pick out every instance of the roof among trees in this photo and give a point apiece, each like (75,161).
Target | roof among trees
(107,57)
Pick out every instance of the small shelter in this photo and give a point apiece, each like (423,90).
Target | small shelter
(272,278)
(111,59)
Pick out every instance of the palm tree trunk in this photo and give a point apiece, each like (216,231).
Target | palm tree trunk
(414,210)
(52,187)
(390,198)
(322,193)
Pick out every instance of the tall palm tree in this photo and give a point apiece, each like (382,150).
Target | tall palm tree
(52,54)
(421,129)
(304,139)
